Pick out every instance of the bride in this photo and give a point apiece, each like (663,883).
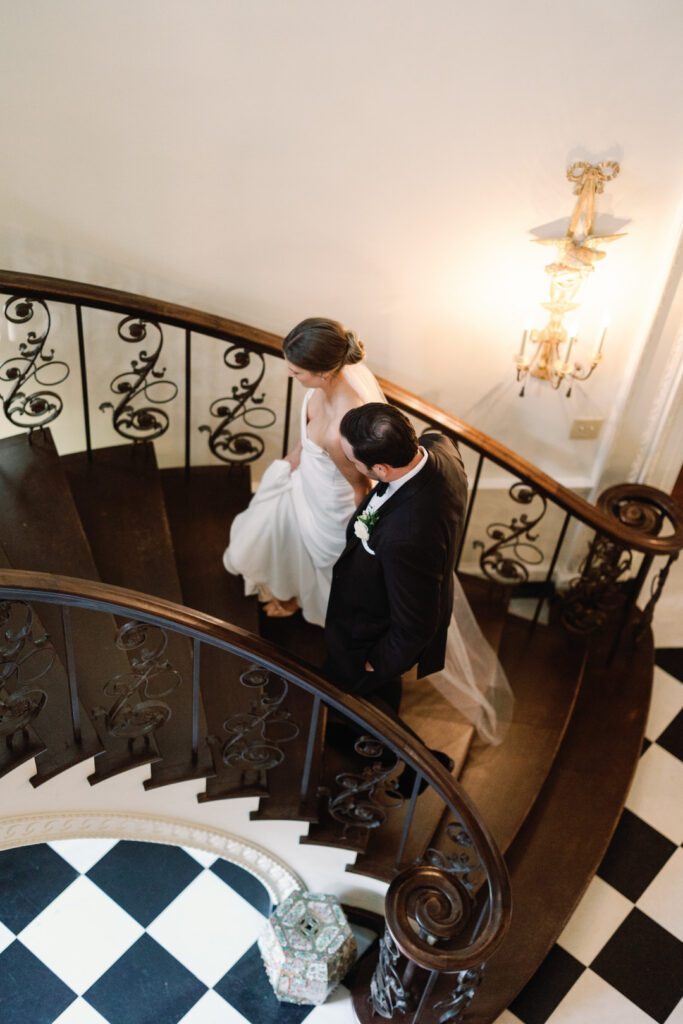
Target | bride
(286,543)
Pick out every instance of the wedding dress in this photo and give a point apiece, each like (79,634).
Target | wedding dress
(286,542)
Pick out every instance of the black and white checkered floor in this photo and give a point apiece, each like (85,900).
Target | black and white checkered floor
(97,931)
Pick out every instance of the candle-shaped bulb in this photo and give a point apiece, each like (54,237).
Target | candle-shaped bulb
(602,340)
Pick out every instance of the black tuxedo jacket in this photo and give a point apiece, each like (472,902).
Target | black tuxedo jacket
(392,608)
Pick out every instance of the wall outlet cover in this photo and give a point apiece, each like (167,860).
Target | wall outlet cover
(585,430)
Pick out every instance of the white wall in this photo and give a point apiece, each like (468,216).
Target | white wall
(379,162)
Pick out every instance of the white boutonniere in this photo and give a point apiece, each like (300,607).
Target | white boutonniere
(363,527)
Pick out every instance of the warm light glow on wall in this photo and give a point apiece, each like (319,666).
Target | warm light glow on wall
(553,359)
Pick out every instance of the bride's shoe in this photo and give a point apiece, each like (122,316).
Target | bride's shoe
(275,609)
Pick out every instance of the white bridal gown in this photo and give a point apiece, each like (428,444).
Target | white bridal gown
(286,542)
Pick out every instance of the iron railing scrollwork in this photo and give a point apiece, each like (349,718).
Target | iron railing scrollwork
(432,928)
(24,660)
(244,403)
(257,736)
(605,582)
(514,548)
(35,365)
(138,710)
(365,796)
(146,422)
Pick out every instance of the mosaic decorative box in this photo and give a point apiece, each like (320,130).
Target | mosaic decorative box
(307,947)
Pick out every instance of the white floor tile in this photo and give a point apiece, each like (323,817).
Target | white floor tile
(656,792)
(6,937)
(80,1012)
(81,934)
(667,701)
(82,854)
(595,920)
(663,898)
(337,1010)
(592,1000)
(201,856)
(207,927)
(211,1009)
(507,1017)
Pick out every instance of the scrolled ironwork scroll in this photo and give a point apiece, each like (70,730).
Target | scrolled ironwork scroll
(242,404)
(456,1004)
(597,591)
(35,365)
(256,737)
(137,709)
(462,861)
(24,659)
(514,548)
(365,797)
(387,993)
(149,421)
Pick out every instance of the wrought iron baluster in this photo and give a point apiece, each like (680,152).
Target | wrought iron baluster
(470,506)
(24,659)
(196,667)
(243,404)
(34,364)
(256,737)
(506,560)
(551,570)
(71,673)
(137,710)
(84,379)
(655,590)
(456,1005)
(188,398)
(366,796)
(142,379)
(310,747)
(408,820)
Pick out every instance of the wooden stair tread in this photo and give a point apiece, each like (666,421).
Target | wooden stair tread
(200,508)
(131,543)
(40,530)
(566,834)
(544,667)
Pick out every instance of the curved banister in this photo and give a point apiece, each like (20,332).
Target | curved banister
(220,327)
(22,585)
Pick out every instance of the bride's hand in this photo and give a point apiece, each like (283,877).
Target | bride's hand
(294,457)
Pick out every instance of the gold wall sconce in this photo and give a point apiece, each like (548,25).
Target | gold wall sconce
(577,253)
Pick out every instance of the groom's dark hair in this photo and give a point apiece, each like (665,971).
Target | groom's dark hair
(379,433)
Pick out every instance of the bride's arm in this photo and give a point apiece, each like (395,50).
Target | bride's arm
(361,485)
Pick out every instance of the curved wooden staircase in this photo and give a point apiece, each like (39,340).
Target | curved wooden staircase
(548,798)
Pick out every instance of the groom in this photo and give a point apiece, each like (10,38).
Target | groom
(392,588)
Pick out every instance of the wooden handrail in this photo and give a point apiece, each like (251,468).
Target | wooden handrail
(78,293)
(22,585)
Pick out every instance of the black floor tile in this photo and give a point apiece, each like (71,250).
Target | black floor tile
(646,744)
(144,878)
(145,976)
(644,962)
(672,737)
(244,883)
(635,856)
(671,660)
(30,879)
(30,993)
(548,987)
(246,987)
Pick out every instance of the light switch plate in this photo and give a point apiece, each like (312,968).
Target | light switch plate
(585,430)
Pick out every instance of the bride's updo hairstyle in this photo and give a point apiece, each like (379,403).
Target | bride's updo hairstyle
(322,346)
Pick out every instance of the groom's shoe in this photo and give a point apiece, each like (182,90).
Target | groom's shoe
(406,780)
